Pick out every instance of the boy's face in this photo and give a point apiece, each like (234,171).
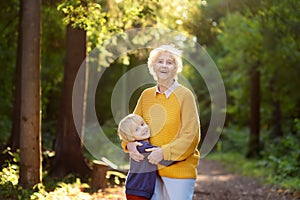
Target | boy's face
(140,130)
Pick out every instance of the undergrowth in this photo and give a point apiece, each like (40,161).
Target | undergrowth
(237,163)
(70,187)
(278,165)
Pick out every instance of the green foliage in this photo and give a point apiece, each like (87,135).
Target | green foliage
(234,138)
(264,34)
(82,14)
(68,188)
(9,188)
(238,33)
(267,36)
(280,161)
(240,56)
(8,42)
(9,174)
(235,162)
(9,178)
(101,19)
(5,127)
(110,130)
(52,61)
(282,156)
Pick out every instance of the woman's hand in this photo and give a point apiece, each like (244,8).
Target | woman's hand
(156,155)
(133,152)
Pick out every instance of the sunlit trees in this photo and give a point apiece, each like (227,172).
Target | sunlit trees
(89,23)
(30,124)
(68,145)
(254,43)
(265,40)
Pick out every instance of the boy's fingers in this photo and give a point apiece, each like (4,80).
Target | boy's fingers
(151,149)
(138,144)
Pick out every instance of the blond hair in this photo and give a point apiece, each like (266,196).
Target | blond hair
(175,53)
(125,127)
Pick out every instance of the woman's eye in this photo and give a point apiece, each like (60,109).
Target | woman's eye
(142,124)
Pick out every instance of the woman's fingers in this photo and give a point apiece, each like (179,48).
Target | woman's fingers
(133,152)
(136,156)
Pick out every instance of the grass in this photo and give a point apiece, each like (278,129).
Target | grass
(236,163)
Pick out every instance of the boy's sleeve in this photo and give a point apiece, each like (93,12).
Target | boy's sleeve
(166,162)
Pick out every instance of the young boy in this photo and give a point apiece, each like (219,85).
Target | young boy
(140,181)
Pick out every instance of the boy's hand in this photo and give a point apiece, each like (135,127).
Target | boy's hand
(133,152)
(156,155)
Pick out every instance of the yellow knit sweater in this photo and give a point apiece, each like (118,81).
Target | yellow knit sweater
(175,127)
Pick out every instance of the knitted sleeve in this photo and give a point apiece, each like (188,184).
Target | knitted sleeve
(189,134)
(138,107)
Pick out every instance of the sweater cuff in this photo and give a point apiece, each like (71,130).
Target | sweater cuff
(124,146)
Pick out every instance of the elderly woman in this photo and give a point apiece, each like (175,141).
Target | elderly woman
(170,110)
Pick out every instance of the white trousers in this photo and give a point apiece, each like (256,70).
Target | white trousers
(173,189)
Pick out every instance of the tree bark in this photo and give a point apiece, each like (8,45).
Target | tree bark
(99,175)
(254,142)
(68,146)
(30,126)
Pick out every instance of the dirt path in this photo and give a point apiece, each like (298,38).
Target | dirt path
(214,183)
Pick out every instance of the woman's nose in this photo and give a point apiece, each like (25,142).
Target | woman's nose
(164,64)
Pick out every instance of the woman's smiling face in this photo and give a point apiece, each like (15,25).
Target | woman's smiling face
(165,66)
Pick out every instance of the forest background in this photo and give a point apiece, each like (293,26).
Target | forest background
(255,45)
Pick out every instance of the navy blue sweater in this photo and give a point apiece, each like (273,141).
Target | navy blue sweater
(141,177)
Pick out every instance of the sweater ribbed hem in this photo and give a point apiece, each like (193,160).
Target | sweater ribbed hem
(179,173)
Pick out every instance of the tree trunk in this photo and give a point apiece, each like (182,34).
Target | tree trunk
(254,143)
(99,175)
(68,146)
(30,126)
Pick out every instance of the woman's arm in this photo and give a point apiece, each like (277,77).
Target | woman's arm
(189,135)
